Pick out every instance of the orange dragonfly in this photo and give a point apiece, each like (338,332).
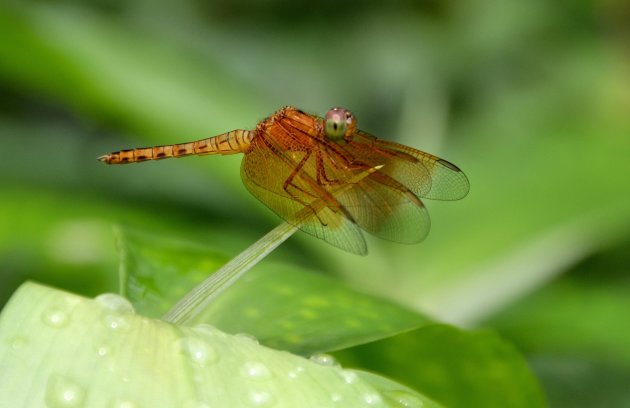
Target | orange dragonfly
(345,179)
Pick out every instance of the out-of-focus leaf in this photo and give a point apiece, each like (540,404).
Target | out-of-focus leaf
(61,350)
(114,72)
(575,331)
(544,164)
(284,306)
(117,70)
(66,239)
(453,367)
(587,320)
(580,380)
(156,272)
(291,308)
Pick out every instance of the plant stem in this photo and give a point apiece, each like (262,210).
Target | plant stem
(203,294)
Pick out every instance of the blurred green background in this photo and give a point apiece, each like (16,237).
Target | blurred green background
(531,99)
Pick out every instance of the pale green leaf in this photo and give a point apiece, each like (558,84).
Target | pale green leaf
(62,350)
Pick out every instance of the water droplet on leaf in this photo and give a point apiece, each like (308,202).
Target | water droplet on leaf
(114,302)
(324,359)
(255,370)
(262,399)
(62,392)
(197,351)
(55,317)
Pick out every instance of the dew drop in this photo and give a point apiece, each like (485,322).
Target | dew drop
(295,373)
(247,337)
(336,397)
(372,399)
(62,392)
(404,399)
(255,370)
(54,317)
(262,399)
(18,343)
(197,351)
(324,359)
(103,350)
(115,303)
(116,322)
(349,377)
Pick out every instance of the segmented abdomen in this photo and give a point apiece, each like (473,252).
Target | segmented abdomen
(236,141)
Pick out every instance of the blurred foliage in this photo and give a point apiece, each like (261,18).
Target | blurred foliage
(531,99)
(485,370)
(284,307)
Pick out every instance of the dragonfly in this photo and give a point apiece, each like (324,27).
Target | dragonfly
(339,179)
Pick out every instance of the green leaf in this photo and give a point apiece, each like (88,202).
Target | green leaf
(284,306)
(393,392)
(454,367)
(62,350)
(545,193)
(156,272)
(112,71)
(575,331)
(579,318)
(291,308)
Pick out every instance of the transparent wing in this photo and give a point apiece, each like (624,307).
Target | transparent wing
(378,203)
(368,183)
(265,170)
(385,212)
(427,176)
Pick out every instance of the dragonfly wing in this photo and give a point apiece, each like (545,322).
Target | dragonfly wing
(264,171)
(385,212)
(426,175)
(378,203)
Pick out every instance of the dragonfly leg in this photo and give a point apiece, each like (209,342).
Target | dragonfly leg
(323,180)
(322,176)
(289,182)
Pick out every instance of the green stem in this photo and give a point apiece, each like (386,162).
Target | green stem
(203,294)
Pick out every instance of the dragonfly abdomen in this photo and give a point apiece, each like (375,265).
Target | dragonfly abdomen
(236,141)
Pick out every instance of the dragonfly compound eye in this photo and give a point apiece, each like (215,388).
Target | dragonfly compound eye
(338,123)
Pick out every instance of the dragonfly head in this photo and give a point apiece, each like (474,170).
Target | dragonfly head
(339,123)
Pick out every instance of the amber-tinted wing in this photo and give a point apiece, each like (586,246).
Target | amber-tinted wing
(264,171)
(427,176)
(389,213)
(378,203)
(290,169)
